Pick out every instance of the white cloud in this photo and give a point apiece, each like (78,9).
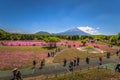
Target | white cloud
(90,30)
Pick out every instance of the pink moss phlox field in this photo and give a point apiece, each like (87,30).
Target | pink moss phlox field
(10,60)
(21,59)
(22,43)
(28,43)
(73,43)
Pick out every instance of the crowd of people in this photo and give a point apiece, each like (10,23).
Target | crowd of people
(71,64)
(53,53)
(76,62)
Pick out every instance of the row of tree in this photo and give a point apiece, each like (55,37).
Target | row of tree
(112,39)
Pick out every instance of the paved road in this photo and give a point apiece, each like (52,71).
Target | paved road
(58,68)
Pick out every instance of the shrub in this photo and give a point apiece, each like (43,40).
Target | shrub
(89,47)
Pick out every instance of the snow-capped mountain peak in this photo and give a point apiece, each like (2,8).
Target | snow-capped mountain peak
(74,31)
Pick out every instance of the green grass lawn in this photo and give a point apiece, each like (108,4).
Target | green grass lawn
(23,48)
(73,52)
(92,74)
(26,48)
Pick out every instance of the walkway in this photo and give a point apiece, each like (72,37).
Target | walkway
(57,68)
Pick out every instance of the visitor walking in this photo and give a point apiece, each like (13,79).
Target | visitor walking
(58,49)
(100,60)
(119,50)
(87,60)
(51,54)
(48,54)
(117,53)
(14,74)
(75,61)
(65,62)
(108,55)
(42,63)
(117,67)
(71,65)
(78,60)
(19,75)
(34,63)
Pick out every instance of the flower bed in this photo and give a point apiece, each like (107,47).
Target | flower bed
(28,43)
(9,60)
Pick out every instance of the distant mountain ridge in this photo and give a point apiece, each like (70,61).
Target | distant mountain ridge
(2,31)
(43,33)
(74,31)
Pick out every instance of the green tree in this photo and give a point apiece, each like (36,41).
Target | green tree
(51,41)
(114,39)
(84,42)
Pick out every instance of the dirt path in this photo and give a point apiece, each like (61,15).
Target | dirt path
(49,60)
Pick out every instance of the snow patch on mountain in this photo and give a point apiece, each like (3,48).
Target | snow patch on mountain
(90,30)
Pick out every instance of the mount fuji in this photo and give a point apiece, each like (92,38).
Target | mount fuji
(74,31)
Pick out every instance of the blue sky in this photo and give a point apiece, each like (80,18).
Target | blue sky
(30,16)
